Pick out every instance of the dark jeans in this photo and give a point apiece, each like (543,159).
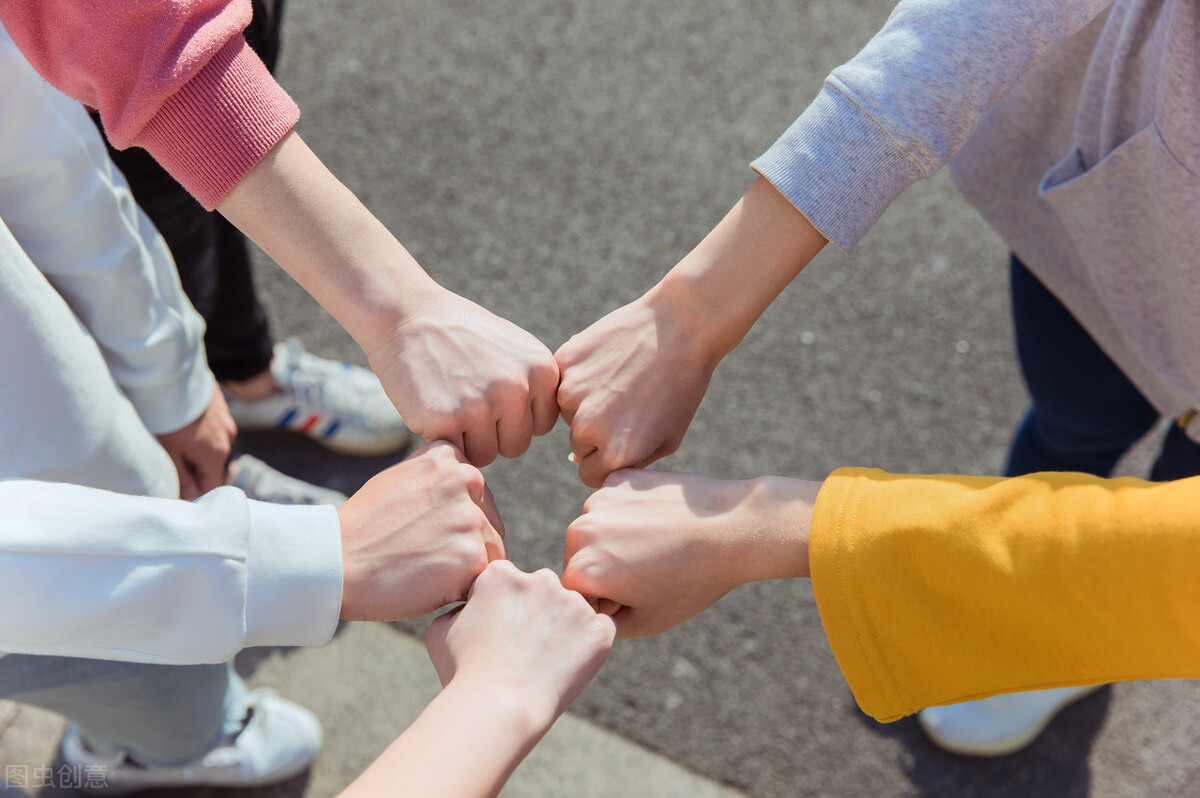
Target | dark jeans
(212,256)
(1085,412)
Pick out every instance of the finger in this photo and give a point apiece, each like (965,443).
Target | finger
(481,495)
(209,471)
(593,470)
(496,569)
(514,432)
(479,445)
(581,444)
(543,399)
(628,624)
(188,490)
(493,543)
(668,447)
(455,439)
(610,626)
(545,413)
(605,606)
(442,624)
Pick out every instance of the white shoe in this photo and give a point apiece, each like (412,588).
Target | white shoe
(262,483)
(999,725)
(278,741)
(339,405)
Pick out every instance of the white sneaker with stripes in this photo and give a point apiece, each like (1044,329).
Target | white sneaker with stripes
(339,405)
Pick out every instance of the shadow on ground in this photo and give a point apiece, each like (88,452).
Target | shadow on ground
(1054,766)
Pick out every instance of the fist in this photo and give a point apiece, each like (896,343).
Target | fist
(416,535)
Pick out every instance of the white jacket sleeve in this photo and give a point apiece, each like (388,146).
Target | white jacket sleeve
(908,101)
(71,211)
(88,573)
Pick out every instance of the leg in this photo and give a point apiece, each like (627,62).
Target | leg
(161,715)
(238,339)
(1085,413)
(1179,457)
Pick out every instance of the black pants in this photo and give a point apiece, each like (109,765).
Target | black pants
(1085,412)
(212,256)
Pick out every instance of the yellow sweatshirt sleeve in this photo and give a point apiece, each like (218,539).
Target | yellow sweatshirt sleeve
(938,589)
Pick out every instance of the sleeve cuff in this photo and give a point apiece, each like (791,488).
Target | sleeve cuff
(843,611)
(216,128)
(168,408)
(294,575)
(839,166)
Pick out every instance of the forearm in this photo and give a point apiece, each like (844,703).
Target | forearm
(314,227)
(722,286)
(465,744)
(936,589)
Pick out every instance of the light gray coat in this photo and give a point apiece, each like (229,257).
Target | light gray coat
(1074,126)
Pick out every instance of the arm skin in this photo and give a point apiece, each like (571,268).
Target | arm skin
(455,371)
(512,659)
(667,546)
(631,382)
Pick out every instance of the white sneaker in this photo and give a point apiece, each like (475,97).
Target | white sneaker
(278,741)
(999,725)
(339,405)
(259,481)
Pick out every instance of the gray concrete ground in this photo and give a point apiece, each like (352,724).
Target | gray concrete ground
(550,160)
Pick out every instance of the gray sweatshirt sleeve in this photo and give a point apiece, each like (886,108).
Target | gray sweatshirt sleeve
(907,102)
(89,573)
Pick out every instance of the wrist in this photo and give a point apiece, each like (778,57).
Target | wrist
(389,315)
(525,712)
(781,517)
(723,285)
(351,608)
(687,321)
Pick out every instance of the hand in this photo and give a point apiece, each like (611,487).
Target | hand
(630,386)
(668,546)
(200,451)
(523,633)
(416,535)
(458,373)
(632,381)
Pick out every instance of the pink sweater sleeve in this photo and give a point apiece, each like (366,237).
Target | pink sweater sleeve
(172,76)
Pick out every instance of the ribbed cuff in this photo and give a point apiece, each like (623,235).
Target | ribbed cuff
(294,575)
(839,166)
(220,124)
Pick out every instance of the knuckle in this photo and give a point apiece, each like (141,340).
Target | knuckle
(471,478)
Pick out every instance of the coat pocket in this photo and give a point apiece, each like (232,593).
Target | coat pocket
(1134,220)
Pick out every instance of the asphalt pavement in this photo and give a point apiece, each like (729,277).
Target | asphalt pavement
(551,160)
